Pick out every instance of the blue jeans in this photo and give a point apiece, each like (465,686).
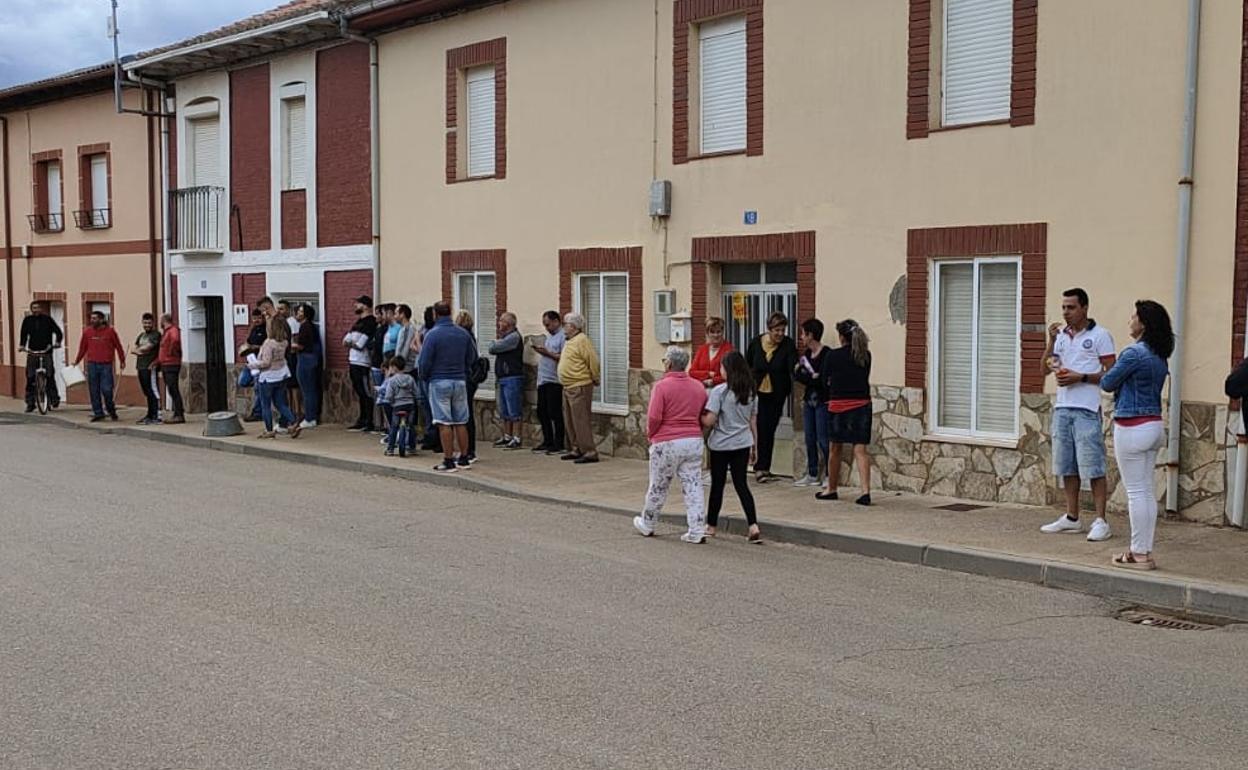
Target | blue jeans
(273,395)
(511,398)
(426,413)
(100,385)
(1078,444)
(401,413)
(815,427)
(308,370)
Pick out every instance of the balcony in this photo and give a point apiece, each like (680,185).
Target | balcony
(46,223)
(93,219)
(197,227)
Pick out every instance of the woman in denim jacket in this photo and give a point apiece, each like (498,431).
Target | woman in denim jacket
(1136,380)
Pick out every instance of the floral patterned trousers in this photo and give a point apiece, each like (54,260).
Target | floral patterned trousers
(680,458)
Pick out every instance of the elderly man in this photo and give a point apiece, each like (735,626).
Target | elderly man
(508,352)
(579,373)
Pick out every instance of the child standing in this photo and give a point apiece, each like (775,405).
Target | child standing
(401,408)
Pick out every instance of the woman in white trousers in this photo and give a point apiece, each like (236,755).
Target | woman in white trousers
(1136,380)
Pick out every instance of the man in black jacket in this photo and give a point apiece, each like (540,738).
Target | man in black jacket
(1237,381)
(358,343)
(39,333)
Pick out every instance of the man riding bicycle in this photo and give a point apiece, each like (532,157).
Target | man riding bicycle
(38,336)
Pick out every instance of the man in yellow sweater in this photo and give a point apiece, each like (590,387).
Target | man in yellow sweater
(579,373)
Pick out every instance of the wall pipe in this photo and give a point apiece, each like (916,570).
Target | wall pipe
(8,260)
(1182,255)
(153,263)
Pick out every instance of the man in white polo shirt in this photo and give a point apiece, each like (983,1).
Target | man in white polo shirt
(1078,355)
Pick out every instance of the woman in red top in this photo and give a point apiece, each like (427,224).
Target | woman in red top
(848,370)
(706,361)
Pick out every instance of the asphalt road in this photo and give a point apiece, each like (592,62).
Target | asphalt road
(164,607)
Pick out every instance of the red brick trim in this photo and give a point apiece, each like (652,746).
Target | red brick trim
(493,260)
(457,60)
(86,192)
(344,192)
(625,259)
(1030,241)
(294,219)
(247,289)
(50,296)
(249,149)
(774,247)
(1239,284)
(688,13)
(920,67)
(98,296)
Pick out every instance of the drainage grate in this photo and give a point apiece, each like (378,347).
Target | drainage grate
(960,507)
(1158,620)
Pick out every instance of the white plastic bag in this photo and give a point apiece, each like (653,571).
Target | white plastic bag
(71,376)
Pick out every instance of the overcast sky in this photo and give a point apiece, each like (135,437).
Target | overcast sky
(39,38)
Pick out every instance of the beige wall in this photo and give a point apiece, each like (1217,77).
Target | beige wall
(1100,165)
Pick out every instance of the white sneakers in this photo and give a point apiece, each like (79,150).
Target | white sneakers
(639,524)
(808,481)
(307,424)
(1066,525)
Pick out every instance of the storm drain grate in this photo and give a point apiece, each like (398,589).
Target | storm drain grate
(960,507)
(1157,620)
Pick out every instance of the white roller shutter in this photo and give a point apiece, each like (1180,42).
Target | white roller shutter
(99,191)
(205,136)
(481,121)
(603,300)
(955,362)
(478,294)
(997,356)
(54,195)
(978,53)
(296,159)
(722,87)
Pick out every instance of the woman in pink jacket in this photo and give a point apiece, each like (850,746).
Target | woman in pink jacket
(675,431)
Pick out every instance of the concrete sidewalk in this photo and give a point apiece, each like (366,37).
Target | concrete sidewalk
(1204,570)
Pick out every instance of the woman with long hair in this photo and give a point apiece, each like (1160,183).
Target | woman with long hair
(813,357)
(772,356)
(731,416)
(274,372)
(1136,380)
(307,347)
(849,407)
(464,319)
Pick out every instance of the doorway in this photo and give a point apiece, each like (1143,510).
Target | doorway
(57,311)
(215,361)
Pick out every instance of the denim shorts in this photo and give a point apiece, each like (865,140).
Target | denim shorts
(1078,443)
(511,398)
(448,401)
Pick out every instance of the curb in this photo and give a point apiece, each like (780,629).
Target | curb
(1177,595)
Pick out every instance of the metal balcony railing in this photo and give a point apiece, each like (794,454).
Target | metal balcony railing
(46,223)
(93,219)
(197,219)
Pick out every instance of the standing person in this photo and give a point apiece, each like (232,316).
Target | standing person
(508,352)
(772,357)
(731,415)
(707,358)
(101,346)
(267,309)
(408,348)
(446,358)
(465,321)
(579,373)
(430,440)
(811,372)
(145,349)
(287,314)
(255,338)
(674,427)
(1136,380)
(549,391)
(273,375)
(307,347)
(381,348)
(39,334)
(849,408)
(169,361)
(1078,355)
(401,392)
(357,342)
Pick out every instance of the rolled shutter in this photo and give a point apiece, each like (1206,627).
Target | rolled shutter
(978,54)
(487,320)
(723,92)
(54,193)
(615,340)
(205,152)
(296,144)
(99,191)
(997,340)
(956,361)
(590,306)
(481,121)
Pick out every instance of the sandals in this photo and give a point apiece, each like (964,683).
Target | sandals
(1128,560)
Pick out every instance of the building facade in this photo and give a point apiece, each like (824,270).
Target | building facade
(938,171)
(80,215)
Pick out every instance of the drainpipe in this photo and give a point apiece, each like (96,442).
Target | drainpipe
(166,268)
(153,264)
(8,260)
(1181,258)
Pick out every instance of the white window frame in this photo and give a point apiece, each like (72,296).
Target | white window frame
(604,407)
(486,389)
(933,346)
(289,179)
(474,75)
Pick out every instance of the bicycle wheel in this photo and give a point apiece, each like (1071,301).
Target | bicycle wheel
(42,398)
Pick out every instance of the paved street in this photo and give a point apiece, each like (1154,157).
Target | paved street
(165,607)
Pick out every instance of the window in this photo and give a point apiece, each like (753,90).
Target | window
(480,89)
(105,307)
(477,293)
(978,61)
(47,216)
(976,336)
(204,140)
(603,299)
(722,85)
(294,144)
(93,195)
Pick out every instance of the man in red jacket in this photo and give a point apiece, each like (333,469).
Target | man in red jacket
(169,360)
(99,345)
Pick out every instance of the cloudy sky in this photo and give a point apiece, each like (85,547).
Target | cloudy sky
(39,38)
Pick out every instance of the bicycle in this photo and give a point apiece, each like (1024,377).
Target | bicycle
(401,432)
(43,378)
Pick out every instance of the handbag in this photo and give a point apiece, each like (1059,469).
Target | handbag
(480,370)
